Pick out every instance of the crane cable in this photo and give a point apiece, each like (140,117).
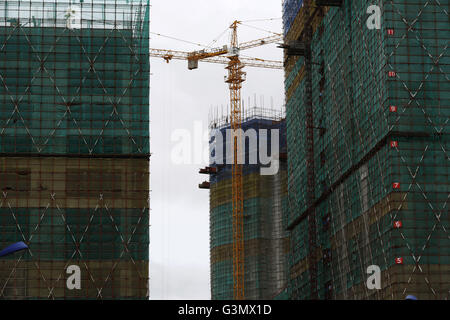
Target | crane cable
(259,20)
(218,38)
(177,39)
(260,29)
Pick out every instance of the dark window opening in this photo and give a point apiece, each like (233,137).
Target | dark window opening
(16,184)
(91,183)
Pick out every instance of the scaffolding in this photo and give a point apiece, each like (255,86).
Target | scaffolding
(264,228)
(218,121)
(368,172)
(74,147)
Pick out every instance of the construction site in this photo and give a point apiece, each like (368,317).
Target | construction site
(349,176)
(265,238)
(368,171)
(74,148)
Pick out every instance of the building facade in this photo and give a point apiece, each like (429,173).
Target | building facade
(74,149)
(368,140)
(265,238)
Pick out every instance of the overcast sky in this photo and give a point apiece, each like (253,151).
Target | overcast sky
(179,233)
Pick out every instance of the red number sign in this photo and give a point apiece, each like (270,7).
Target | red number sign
(398,224)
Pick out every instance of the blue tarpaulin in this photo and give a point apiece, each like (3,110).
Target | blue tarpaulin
(13,248)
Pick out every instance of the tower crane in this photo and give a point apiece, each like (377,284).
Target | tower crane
(230,56)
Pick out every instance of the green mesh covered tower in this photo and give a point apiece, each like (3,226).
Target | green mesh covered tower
(368,114)
(74,148)
(265,236)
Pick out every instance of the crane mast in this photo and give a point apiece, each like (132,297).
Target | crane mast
(236,76)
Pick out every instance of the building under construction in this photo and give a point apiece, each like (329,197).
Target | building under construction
(368,109)
(265,238)
(74,148)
